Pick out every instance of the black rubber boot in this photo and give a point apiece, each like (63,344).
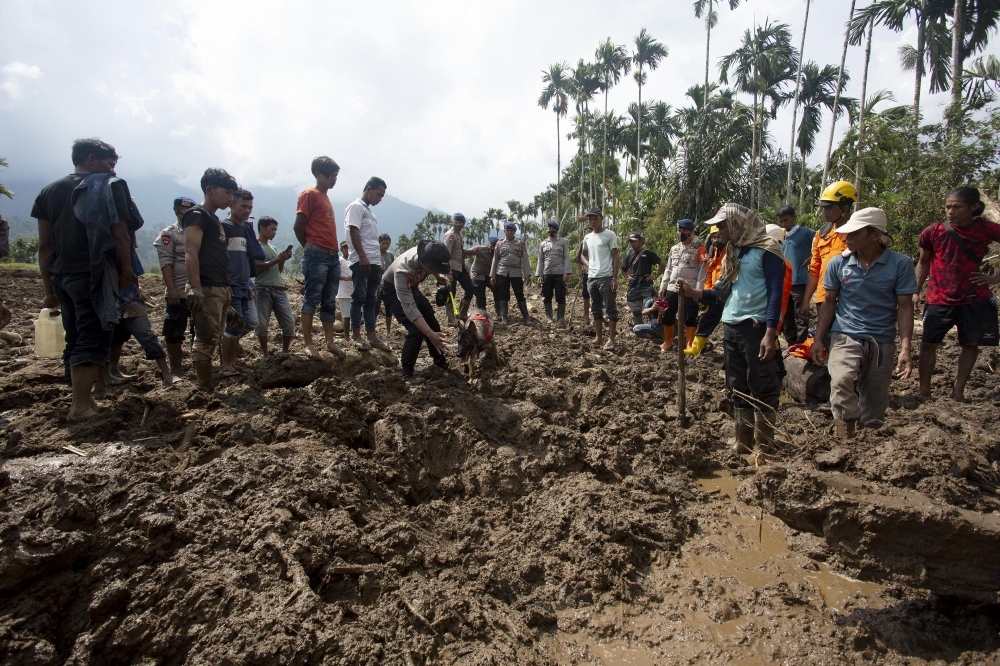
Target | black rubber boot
(764,429)
(744,430)
(523,307)
(502,311)
(548,309)
(561,314)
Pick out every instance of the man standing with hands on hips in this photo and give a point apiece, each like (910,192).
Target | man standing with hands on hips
(869,292)
(600,256)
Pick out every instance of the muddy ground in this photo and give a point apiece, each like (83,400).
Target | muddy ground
(555,512)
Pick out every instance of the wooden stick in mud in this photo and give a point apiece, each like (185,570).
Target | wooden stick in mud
(681,341)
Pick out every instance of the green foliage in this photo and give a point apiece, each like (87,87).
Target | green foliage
(294,267)
(24,251)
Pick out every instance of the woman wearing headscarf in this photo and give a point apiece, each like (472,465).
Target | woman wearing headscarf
(750,286)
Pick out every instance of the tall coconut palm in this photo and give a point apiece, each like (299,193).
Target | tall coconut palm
(707,7)
(795,105)
(818,91)
(648,53)
(840,82)
(556,92)
(861,116)
(764,60)
(973,23)
(612,61)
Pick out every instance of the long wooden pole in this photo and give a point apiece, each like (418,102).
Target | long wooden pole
(681,340)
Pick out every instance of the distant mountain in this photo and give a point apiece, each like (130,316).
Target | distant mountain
(155,196)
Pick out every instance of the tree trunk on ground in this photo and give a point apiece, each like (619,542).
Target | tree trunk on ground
(795,105)
(836,101)
(861,116)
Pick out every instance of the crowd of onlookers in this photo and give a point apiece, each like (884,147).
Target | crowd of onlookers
(223,281)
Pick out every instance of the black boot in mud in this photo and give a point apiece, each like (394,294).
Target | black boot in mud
(548,310)
(764,430)
(523,307)
(744,430)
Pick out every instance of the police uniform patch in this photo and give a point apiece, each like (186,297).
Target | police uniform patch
(165,238)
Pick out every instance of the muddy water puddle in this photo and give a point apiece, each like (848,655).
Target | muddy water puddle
(735,593)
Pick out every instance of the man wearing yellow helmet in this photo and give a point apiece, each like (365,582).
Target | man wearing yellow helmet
(835,202)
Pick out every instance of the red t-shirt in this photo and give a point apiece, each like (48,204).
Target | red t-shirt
(321,226)
(951,268)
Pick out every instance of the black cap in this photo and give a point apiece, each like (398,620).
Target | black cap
(458,217)
(596,210)
(184,202)
(635,235)
(434,255)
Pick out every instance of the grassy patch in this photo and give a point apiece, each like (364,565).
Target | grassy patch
(13,266)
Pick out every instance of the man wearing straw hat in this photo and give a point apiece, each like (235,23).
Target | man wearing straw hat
(869,292)
(751,285)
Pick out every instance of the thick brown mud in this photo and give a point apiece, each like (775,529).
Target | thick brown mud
(552,512)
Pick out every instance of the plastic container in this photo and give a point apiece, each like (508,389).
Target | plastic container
(50,338)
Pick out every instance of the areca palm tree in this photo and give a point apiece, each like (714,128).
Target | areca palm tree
(973,22)
(764,61)
(707,7)
(818,91)
(840,82)
(612,61)
(648,53)
(584,84)
(556,92)
(795,106)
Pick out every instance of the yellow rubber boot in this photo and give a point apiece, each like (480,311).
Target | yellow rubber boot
(689,333)
(697,344)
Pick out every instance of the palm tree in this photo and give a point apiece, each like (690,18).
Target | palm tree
(795,107)
(4,190)
(707,7)
(648,53)
(556,91)
(973,22)
(584,84)
(762,63)
(983,78)
(612,61)
(933,41)
(840,82)
(818,91)
(861,117)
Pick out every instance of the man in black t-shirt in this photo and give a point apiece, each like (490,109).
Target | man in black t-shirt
(207,259)
(64,259)
(638,269)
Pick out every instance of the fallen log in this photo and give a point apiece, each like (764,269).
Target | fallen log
(805,381)
(886,533)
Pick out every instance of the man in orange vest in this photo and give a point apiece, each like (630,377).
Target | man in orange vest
(836,202)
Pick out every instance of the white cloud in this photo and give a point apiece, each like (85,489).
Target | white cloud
(15,75)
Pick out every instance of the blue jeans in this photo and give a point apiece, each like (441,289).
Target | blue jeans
(86,340)
(651,331)
(248,310)
(322,277)
(365,296)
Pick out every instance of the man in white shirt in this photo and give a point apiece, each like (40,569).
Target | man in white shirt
(600,256)
(365,258)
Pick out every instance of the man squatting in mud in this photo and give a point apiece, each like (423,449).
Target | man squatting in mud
(750,317)
(401,285)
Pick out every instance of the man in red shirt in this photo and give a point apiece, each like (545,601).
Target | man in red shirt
(316,229)
(958,292)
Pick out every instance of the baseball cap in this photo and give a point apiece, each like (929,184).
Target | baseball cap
(635,235)
(596,210)
(458,217)
(685,224)
(719,216)
(184,202)
(776,232)
(434,255)
(866,217)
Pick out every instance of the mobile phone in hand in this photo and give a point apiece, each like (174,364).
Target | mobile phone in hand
(288,249)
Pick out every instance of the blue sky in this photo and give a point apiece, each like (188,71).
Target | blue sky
(437,98)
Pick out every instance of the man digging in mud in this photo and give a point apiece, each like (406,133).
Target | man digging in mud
(951,254)
(207,258)
(750,315)
(869,293)
(71,255)
(316,230)
(600,257)
(401,285)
